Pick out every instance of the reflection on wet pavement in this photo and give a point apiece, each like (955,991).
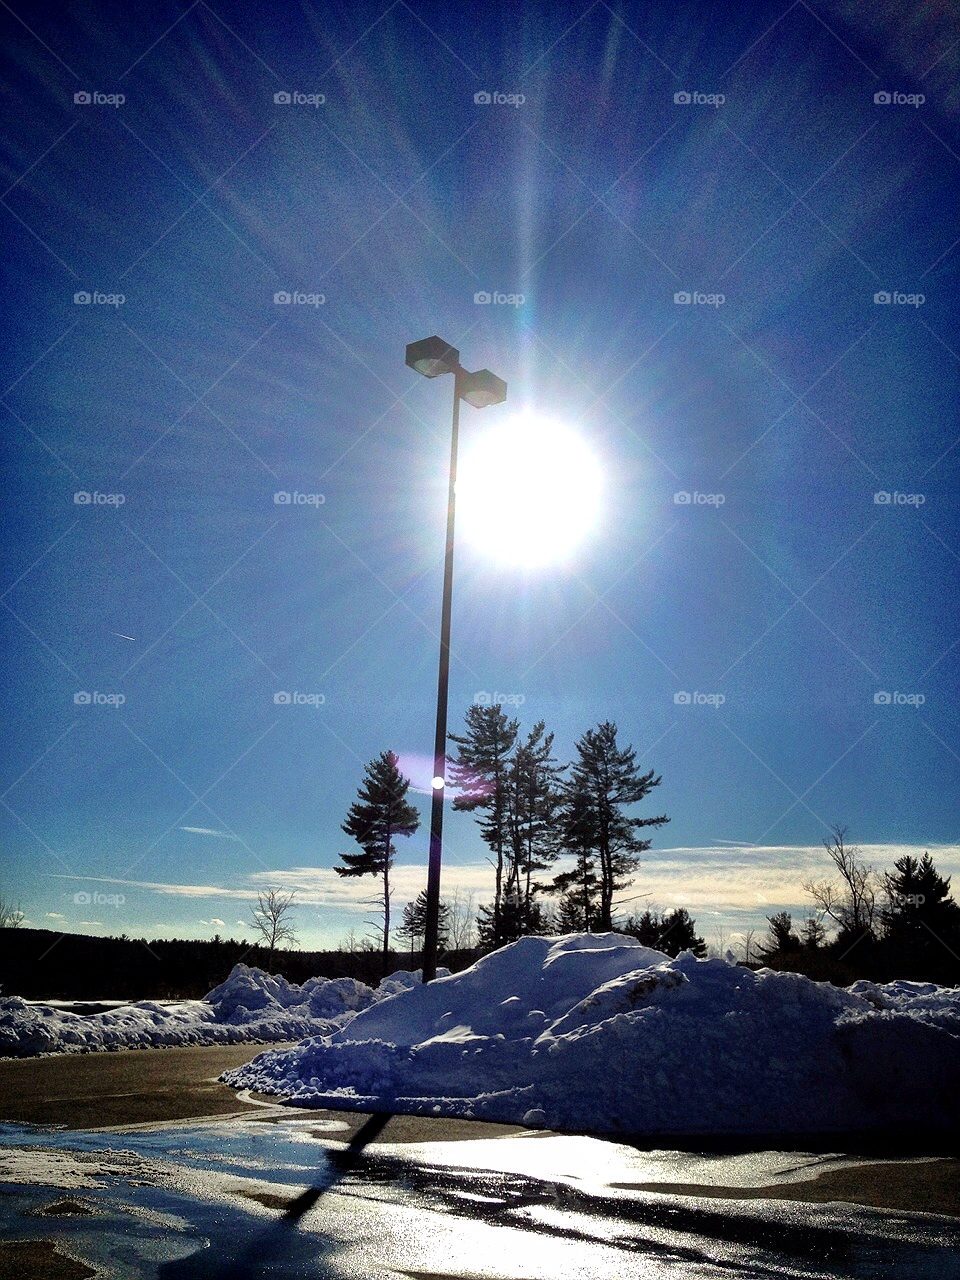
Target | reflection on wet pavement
(285,1198)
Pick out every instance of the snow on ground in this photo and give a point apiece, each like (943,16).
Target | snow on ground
(249,1006)
(596,1032)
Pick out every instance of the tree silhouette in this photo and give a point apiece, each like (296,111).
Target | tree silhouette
(604,780)
(414,924)
(479,774)
(379,813)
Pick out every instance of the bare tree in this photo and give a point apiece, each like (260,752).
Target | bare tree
(748,945)
(270,918)
(462,913)
(11,917)
(718,948)
(349,944)
(851,904)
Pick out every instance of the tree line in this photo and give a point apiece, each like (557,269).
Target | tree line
(40,964)
(864,922)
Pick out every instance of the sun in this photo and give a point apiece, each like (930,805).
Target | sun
(528,491)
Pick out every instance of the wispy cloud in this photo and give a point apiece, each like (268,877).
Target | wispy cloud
(179,890)
(735,885)
(209,831)
(54,915)
(314,886)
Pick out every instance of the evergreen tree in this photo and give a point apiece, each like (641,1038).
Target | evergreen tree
(517,919)
(645,928)
(579,888)
(533,803)
(414,924)
(604,780)
(812,933)
(921,921)
(480,773)
(781,939)
(671,933)
(678,932)
(571,915)
(379,813)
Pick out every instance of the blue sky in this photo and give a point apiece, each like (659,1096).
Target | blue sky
(782,399)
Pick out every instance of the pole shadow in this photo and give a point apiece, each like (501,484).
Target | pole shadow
(280,1249)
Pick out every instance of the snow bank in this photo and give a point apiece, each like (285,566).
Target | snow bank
(599,1033)
(249,1006)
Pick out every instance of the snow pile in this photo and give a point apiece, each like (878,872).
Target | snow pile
(597,1032)
(249,1006)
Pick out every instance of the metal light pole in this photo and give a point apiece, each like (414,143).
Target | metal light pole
(432,357)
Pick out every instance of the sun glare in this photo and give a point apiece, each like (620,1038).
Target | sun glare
(528,491)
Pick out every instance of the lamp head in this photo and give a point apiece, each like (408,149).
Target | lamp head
(432,357)
(482,388)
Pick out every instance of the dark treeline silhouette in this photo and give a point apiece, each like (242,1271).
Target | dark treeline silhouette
(902,923)
(39,964)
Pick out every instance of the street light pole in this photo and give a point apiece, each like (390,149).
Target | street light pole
(432,357)
(432,923)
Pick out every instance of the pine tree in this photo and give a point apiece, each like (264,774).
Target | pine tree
(479,773)
(921,921)
(533,804)
(570,916)
(603,781)
(646,928)
(780,939)
(671,933)
(414,923)
(812,933)
(678,932)
(379,813)
(579,888)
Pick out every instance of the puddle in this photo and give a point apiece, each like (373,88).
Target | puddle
(288,1198)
